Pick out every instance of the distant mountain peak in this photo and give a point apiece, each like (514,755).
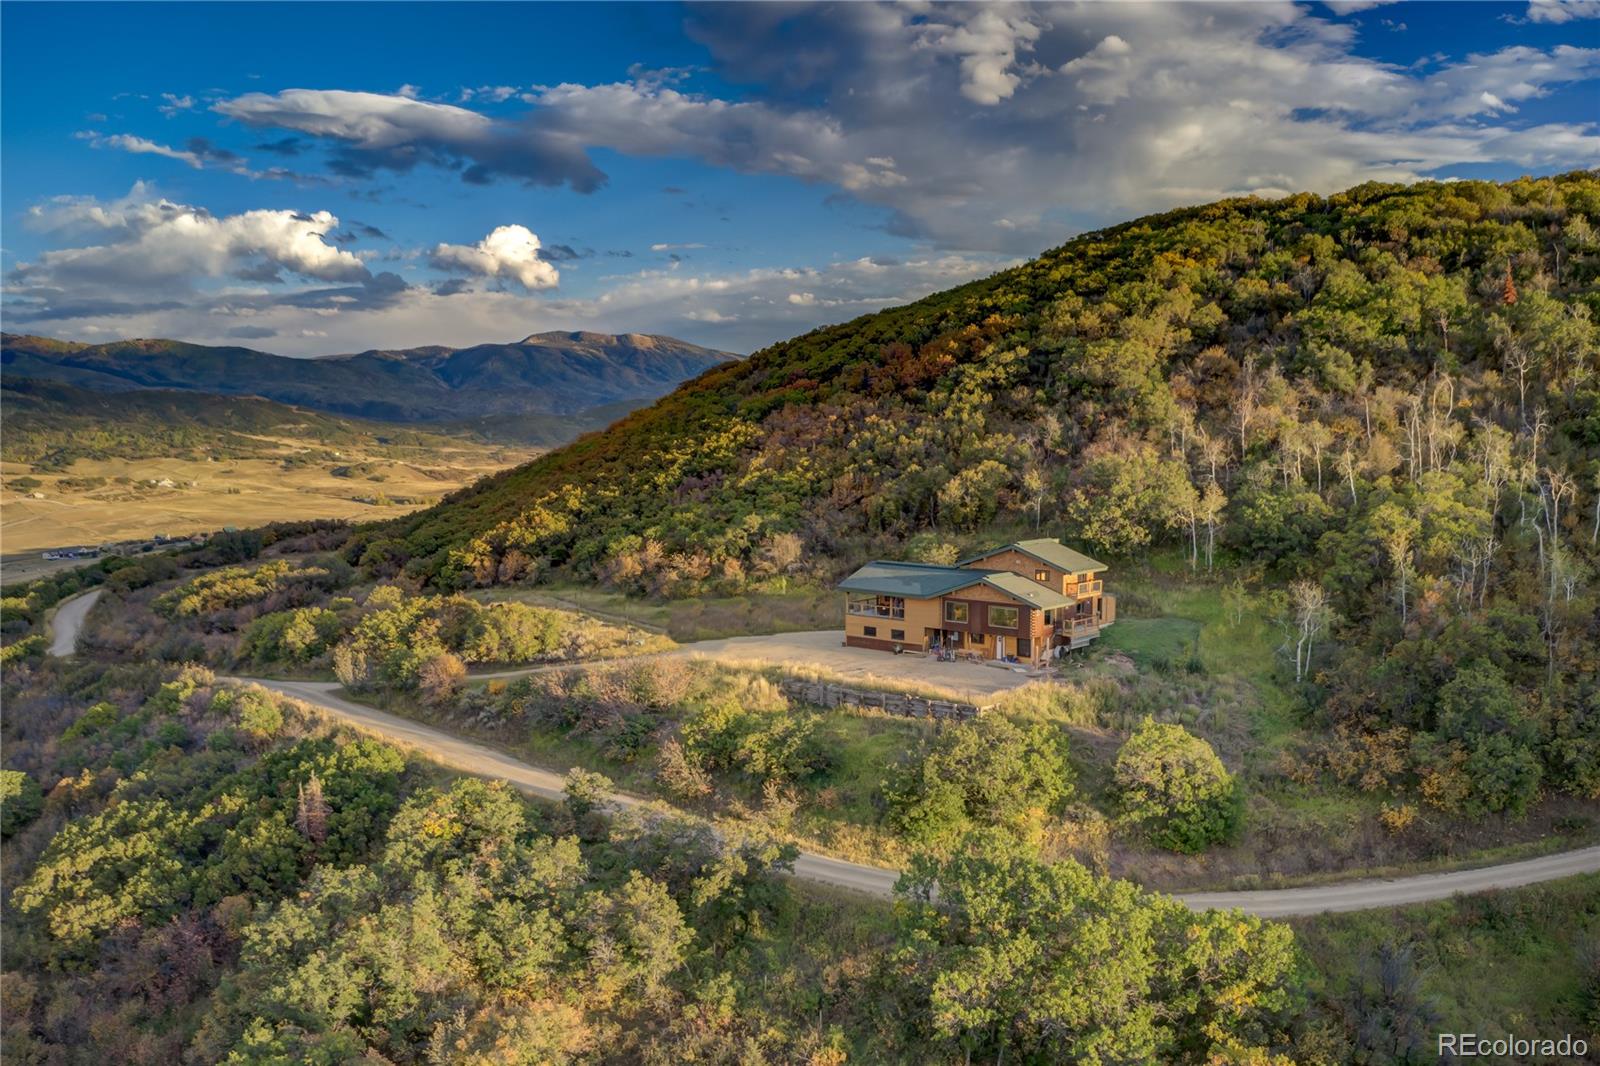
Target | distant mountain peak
(583,336)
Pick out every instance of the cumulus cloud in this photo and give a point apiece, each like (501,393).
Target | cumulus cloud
(378,132)
(149,245)
(1070,116)
(1559,11)
(508,251)
(737,310)
(986,41)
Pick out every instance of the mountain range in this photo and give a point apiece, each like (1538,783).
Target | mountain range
(582,377)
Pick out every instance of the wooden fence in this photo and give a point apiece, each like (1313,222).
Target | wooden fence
(829,694)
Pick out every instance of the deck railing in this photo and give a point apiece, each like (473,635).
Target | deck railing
(871,610)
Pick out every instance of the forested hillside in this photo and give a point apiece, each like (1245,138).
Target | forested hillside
(1297,352)
(1385,402)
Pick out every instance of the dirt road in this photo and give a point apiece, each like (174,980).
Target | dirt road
(483,761)
(68,620)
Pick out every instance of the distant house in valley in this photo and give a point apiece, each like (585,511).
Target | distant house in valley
(1020,601)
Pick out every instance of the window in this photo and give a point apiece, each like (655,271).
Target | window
(977,638)
(1002,617)
(1042,576)
(955,612)
(1049,616)
(897,634)
(870,631)
(876,606)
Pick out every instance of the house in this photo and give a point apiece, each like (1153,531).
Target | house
(1016,601)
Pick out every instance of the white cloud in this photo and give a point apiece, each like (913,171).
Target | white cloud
(397,132)
(154,244)
(174,104)
(1069,116)
(1558,11)
(365,120)
(987,40)
(508,251)
(127,142)
(1350,7)
(1143,107)
(496,94)
(738,311)
(667,247)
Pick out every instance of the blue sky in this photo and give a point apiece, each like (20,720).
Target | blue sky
(320,178)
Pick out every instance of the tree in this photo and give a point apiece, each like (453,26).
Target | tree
(440,678)
(637,938)
(1397,531)
(1309,602)
(21,799)
(1046,961)
(311,810)
(1171,785)
(989,771)
(1034,489)
(1212,505)
(1128,496)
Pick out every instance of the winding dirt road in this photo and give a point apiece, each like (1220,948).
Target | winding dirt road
(483,761)
(68,620)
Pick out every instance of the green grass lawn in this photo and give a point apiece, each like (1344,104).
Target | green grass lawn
(1146,640)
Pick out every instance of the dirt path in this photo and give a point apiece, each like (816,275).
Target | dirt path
(68,621)
(484,761)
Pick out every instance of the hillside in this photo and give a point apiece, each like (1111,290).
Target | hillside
(1237,338)
(1376,414)
(548,373)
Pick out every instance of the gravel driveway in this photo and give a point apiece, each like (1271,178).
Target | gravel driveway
(825,648)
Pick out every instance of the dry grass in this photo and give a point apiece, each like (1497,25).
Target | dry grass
(207,495)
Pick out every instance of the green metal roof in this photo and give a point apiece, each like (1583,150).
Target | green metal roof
(923,581)
(1051,552)
(916,580)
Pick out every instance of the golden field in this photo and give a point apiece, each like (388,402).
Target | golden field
(135,500)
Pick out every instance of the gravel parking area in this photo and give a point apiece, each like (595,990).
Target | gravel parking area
(826,649)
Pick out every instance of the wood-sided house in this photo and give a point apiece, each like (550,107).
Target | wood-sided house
(1015,601)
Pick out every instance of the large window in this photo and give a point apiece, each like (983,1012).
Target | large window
(955,612)
(876,606)
(1003,617)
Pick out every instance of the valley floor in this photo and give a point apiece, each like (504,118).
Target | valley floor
(94,501)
